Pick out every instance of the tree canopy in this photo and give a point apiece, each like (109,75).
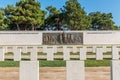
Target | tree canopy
(2,22)
(76,17)
(101,21)
(27,15)
(53,19)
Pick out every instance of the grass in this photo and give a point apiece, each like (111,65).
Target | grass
(107,53)
(41,53)
(91,53)
(71,53)
(9,64)
(57,63)
(97,63)
(58,58)
(89,46)
(77,53)
(24,59)
(59,53)
(9,53)
(109,47)
(74,59)
(28,53)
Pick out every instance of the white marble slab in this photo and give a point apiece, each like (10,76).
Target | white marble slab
(115,70)
(29,70)
(75,70)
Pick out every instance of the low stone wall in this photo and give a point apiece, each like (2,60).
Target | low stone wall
(50,52)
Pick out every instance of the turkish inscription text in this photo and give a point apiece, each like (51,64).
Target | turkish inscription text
(62,38)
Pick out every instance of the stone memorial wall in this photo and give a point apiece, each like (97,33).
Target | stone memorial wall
(50,42)
(63,38)
(59,37)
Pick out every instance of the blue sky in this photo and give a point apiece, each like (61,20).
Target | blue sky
(106,6)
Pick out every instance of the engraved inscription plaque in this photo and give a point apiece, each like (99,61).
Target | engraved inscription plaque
(62,38)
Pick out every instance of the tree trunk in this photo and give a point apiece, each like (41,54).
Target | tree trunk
(33,28)
(58,27)
(18,28)
(25,27)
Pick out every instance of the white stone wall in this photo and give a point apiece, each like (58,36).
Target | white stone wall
(35,37)
(20,38)
(101,37)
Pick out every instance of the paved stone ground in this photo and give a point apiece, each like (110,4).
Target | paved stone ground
(57,73)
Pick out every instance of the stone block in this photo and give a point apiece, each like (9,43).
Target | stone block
(74,49)
(29,70)
(24,49)
(2,51)
(94,49)
(44,49)
(17,54)
(99,53)
(115,70)
(55,48)
(75,70)
(33,54)
(50,53)
(115,52)
(66,53)
(83,52)
(5,49)
(104,48)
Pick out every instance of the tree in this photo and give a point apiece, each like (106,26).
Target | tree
(26,15)
(54,19)
(75,16)
(115,27)
(101,21)
(2,22)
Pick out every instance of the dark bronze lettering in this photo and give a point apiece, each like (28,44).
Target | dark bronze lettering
(62,38)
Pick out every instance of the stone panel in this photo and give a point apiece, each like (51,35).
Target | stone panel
(29,70)
(75,70)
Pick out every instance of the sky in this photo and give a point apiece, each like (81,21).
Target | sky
(104,6)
